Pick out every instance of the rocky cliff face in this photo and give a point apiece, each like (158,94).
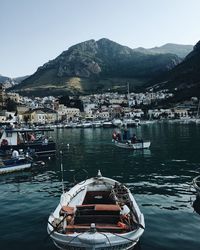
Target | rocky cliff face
(98,60)
(8,82)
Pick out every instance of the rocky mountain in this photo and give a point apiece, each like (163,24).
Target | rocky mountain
(8,82)
(97,66)
(184,79)
(177,49)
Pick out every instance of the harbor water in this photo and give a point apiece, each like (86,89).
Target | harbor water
(159,178)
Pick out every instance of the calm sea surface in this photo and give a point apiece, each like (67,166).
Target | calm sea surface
(159,178)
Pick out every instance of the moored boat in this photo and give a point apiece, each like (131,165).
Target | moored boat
(196,184)
(107,124)
(86,124)
(99,213)
(117,122)
(97,124)
(32,140)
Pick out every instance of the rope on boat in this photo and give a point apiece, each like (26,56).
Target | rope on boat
(106,237)
(55,228)
(76,237)
(133,241)
(125,238)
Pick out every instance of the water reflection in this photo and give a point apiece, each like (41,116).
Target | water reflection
(143,153)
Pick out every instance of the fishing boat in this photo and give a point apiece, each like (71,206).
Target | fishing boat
(33,140)
(86,124)
(97,124)
(117,122)
(98,213)
(107,124)
(15,164)
(139,144)
(196,184)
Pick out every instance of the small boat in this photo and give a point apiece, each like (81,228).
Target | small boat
(96,124)
(139,144)
(107,124)
(86,124)
(196,184)
(117,122)
(98,213)
(15,164)
(70,125)
(131,123)
(32,140)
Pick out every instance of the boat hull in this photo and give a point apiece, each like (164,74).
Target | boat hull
(135,146)
(95,241)
(38,149)
(14,168)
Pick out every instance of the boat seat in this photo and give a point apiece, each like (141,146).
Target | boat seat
(67,210)
(100,227)
(107,207)
(100,218)
(94,209)
(100,207)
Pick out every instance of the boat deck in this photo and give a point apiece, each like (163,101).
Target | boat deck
(99,208)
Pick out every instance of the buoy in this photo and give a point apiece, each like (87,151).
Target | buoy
(68,145)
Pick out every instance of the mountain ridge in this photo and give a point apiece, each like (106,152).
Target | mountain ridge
(184,78)
(94,64)
(180,50)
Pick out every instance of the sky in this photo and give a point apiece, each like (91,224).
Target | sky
(32,32)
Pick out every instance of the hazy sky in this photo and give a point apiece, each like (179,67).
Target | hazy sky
(33,32)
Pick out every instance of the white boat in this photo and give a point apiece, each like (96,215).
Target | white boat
(86,124)
(139,144)
(131,123)
(70,125)
(146,122)
(196,184)
(96,124)
(117,122)
(98,213)
(107,124)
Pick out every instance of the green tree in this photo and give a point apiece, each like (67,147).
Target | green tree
(26,119)
(11,105)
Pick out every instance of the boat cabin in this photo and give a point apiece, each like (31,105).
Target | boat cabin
(32,140)
(21,136)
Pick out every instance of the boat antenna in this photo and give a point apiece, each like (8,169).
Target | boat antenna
(128,93)
(197,116)
(61,169)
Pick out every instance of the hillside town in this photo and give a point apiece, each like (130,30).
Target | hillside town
(49,110)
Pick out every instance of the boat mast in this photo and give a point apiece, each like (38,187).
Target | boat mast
(61,169)
(198,110)
(128,94)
